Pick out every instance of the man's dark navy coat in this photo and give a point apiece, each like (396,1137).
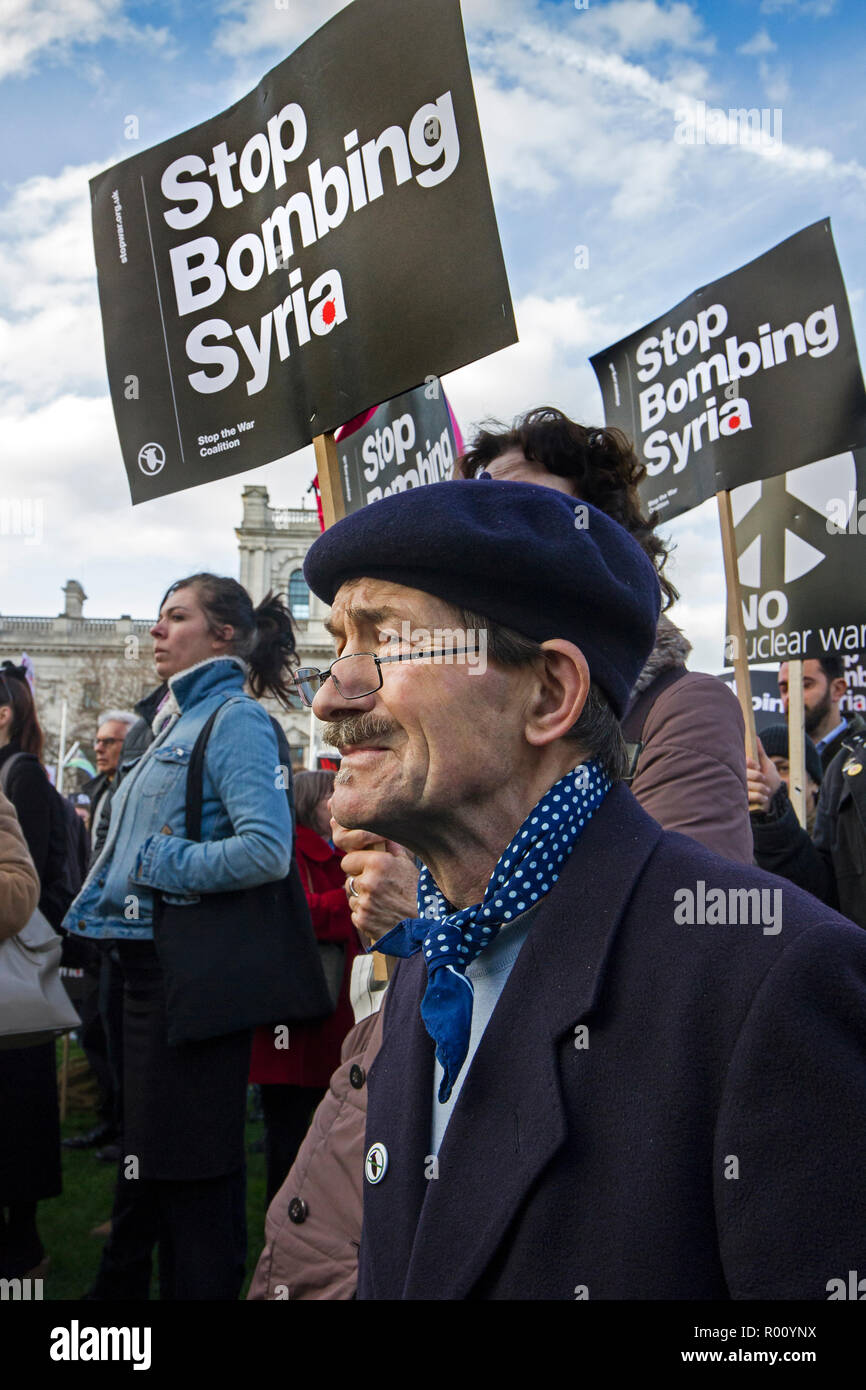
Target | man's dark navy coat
(708,1142)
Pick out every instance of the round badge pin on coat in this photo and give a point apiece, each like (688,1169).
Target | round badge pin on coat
(376,1163)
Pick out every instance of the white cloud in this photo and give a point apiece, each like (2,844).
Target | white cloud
(250,26)
(697,570)
(760,43)
(775,80)
(64,457)
(624,91)
(548,366)
(259,26)
(639,26)
(33,29)
(50,330)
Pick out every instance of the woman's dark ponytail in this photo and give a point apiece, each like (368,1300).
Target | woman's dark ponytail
(274,656)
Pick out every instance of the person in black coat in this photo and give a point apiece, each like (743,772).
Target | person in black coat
(29,1113)
(614,1065)
(831,862)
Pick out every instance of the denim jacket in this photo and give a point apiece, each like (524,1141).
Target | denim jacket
(246,830)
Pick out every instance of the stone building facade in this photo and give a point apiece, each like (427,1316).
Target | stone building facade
(273,542)
(92,663)
(96,664)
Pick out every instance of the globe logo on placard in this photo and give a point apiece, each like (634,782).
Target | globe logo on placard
(151,459)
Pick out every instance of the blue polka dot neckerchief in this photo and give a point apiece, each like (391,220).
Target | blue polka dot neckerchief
(450,940)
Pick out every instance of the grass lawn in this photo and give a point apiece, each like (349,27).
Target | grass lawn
(65,1222)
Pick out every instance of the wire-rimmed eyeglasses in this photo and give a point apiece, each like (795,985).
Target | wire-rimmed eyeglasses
(360,673)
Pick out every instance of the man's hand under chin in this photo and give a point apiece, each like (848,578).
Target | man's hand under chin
(386,883)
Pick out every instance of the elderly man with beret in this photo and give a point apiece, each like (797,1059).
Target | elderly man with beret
(613,1064)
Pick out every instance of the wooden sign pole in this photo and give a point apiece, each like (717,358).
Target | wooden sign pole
(737,634)
(796,741)
(328,464)
(333,509)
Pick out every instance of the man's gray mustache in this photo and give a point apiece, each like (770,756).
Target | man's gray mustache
(358,728)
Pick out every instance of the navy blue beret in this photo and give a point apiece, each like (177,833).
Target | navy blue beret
(528,557)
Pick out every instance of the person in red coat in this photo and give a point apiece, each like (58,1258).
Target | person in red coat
(294,1079)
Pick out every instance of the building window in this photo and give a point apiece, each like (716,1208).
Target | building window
(299,595)
(90,698)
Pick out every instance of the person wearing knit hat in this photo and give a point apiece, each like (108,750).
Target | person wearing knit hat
(573,1040)
(774,741)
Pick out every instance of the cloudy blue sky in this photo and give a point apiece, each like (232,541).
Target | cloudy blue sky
(577,112)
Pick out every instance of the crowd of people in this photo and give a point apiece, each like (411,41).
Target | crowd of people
(542,1078)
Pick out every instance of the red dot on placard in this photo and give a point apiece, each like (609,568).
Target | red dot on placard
(734,422)
(329,312)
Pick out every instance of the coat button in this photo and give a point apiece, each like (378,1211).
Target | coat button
(297,1210)
(376,1163)
(81,925)
(357,1077)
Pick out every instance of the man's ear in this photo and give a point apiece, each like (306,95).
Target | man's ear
(838,688)
(560,692)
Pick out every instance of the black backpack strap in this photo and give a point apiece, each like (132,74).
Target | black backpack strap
(195,773)
(6,769)
(195,779)
(635,717)
(284,753)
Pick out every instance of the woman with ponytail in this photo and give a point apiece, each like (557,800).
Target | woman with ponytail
(181,1179)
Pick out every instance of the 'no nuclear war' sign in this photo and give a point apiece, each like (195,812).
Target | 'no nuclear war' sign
(750,376)
(801,554)
(327,243)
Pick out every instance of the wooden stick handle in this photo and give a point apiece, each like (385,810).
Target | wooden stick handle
(330,487)
(796,740)
(737,633)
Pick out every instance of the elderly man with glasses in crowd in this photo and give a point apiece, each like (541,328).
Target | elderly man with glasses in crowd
(613,1064)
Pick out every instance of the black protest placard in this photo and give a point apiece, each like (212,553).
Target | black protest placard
(854,701)
(406,442)
(751,375)
(766,700)
(326,243)
(800,540)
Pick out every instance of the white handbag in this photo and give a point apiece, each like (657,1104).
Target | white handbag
(34,1005)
